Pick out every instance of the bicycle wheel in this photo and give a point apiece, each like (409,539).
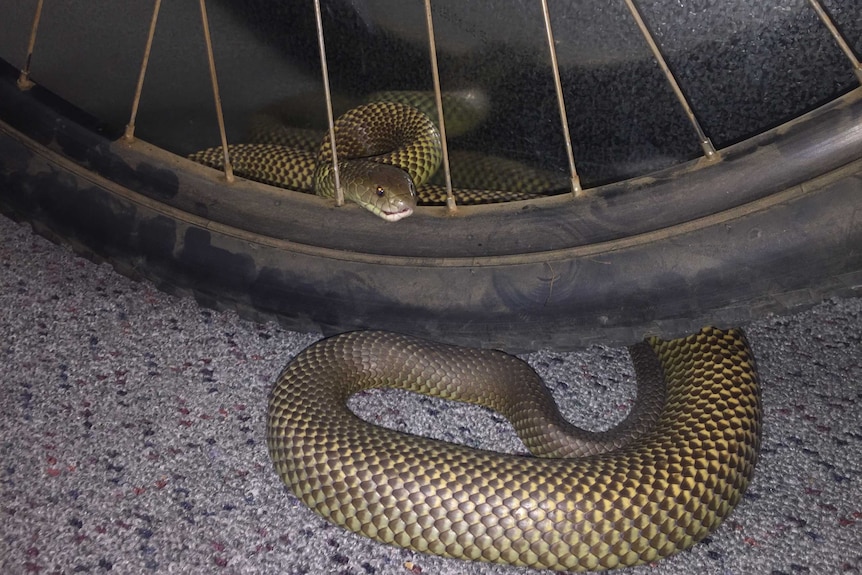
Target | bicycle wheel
(666,236)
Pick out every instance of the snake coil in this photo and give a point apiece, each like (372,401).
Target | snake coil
(388,152)
(656,484)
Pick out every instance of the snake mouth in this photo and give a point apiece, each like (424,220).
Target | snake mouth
(395,216)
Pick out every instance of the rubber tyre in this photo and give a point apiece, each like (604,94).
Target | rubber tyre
(774,225)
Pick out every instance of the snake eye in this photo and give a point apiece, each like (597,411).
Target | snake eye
(380,191)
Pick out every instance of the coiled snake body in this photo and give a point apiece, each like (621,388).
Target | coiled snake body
(388,152)
(656,484)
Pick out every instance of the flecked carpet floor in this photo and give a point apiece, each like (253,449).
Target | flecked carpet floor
(132,436)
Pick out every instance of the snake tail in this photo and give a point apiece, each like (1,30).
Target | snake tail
(662,484)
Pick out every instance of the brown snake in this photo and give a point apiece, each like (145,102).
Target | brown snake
(388,153)
(656,484)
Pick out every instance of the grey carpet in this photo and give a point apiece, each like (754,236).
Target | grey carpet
(132,436)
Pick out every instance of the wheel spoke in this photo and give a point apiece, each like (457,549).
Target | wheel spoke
(438,97)
(558,84)
(705,142)
(228,170)
(24,81)
(129,134)
(839,38)
(339,193)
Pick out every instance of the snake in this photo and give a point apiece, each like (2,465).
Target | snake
(657,483)
(388,151)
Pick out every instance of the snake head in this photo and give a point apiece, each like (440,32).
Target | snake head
(385,190)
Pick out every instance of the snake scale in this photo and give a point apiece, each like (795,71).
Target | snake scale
(388,152)
(656,484)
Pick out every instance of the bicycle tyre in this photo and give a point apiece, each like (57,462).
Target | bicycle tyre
(774,226)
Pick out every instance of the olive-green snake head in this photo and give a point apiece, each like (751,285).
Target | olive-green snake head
(388,149)
(657,483)
(384,190)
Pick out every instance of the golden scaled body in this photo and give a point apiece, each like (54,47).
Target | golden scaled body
(658,484)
